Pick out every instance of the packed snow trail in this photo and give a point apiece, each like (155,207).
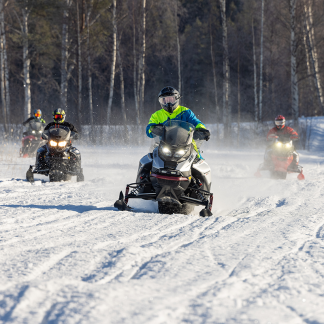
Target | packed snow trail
(67,256)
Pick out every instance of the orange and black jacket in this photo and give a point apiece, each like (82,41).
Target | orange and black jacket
(283,134)
(66,124)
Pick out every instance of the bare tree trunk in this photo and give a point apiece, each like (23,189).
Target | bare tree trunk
(3,90)
(261,64)
(238,99)
(26,63)
(225,72)
(310,36)
(309,72)
(113,65)
(178,47)
(293,45)
(5,61)
(122,93)
(255,78)
(134,73)
(215,80)
(2,74)
(142,74)
(79,65)
(65,55)
(92,138)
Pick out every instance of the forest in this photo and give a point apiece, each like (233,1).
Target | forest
(105,61)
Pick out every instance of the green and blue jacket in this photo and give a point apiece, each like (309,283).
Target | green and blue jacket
(180,113)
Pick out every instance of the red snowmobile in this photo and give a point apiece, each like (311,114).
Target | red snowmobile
(280,161)
(32,139)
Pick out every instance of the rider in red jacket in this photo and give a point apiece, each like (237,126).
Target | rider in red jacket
(282,132)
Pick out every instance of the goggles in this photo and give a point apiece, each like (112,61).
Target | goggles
(280,122)
(166,100)
(58,116)
(37,115)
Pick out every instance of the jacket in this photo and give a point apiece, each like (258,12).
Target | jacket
(180,113)
(284,133)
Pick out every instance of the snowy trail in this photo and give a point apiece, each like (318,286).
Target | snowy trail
(67,256)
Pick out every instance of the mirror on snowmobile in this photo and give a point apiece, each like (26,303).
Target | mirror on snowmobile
(158,130)
(44,136)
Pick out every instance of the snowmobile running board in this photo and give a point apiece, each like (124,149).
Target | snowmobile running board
(122,202)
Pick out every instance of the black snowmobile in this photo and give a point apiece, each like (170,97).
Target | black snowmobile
(60,160)
(173,175)
(32,139)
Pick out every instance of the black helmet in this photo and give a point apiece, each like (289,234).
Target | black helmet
(59,115)
(169,99)
(37,114)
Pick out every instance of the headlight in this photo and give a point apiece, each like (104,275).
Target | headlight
(52,143)
(279,144)
(40,132)
(33,132)
(62,144)
(288,144)
(166,151)
(180,153)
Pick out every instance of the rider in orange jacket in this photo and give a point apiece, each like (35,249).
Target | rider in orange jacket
(282,132)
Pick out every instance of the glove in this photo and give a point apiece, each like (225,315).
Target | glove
(201,134)
(207,135)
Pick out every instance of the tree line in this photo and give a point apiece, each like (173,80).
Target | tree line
(105,61)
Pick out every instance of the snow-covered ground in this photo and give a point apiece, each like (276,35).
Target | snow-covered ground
(67,256)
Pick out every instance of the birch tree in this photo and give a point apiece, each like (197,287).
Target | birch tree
(113,64)
(293,47)
(261,63)
(2,73)
(226,72)
(310,38)
(5,62)
(214,77)
(178,46)
(65,54)
(79,64)
(135,68)
(255,77)
(142,65)
(88,12)
(122,92)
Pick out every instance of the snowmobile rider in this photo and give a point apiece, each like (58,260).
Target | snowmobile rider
(171,110)
(37,117)
(59,119)
(282,132)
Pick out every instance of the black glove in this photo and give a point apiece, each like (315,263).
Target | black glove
(158,130)
(201,134)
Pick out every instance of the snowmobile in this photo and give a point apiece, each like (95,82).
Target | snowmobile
(32,140)
(172,174)
(281,152)
(61,160)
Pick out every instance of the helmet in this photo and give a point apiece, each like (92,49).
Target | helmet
(169,99)
(37,114)
(59,115)
(280,121)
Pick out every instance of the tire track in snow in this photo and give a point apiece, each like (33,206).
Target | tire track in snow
(47,265)
(137,264)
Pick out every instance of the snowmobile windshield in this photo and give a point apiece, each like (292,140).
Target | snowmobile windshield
(59,133)
(177,132)
(36,127)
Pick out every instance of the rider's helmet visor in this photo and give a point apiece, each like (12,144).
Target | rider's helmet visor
(168,99)
(58,116)
(37,115)
(280,122)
